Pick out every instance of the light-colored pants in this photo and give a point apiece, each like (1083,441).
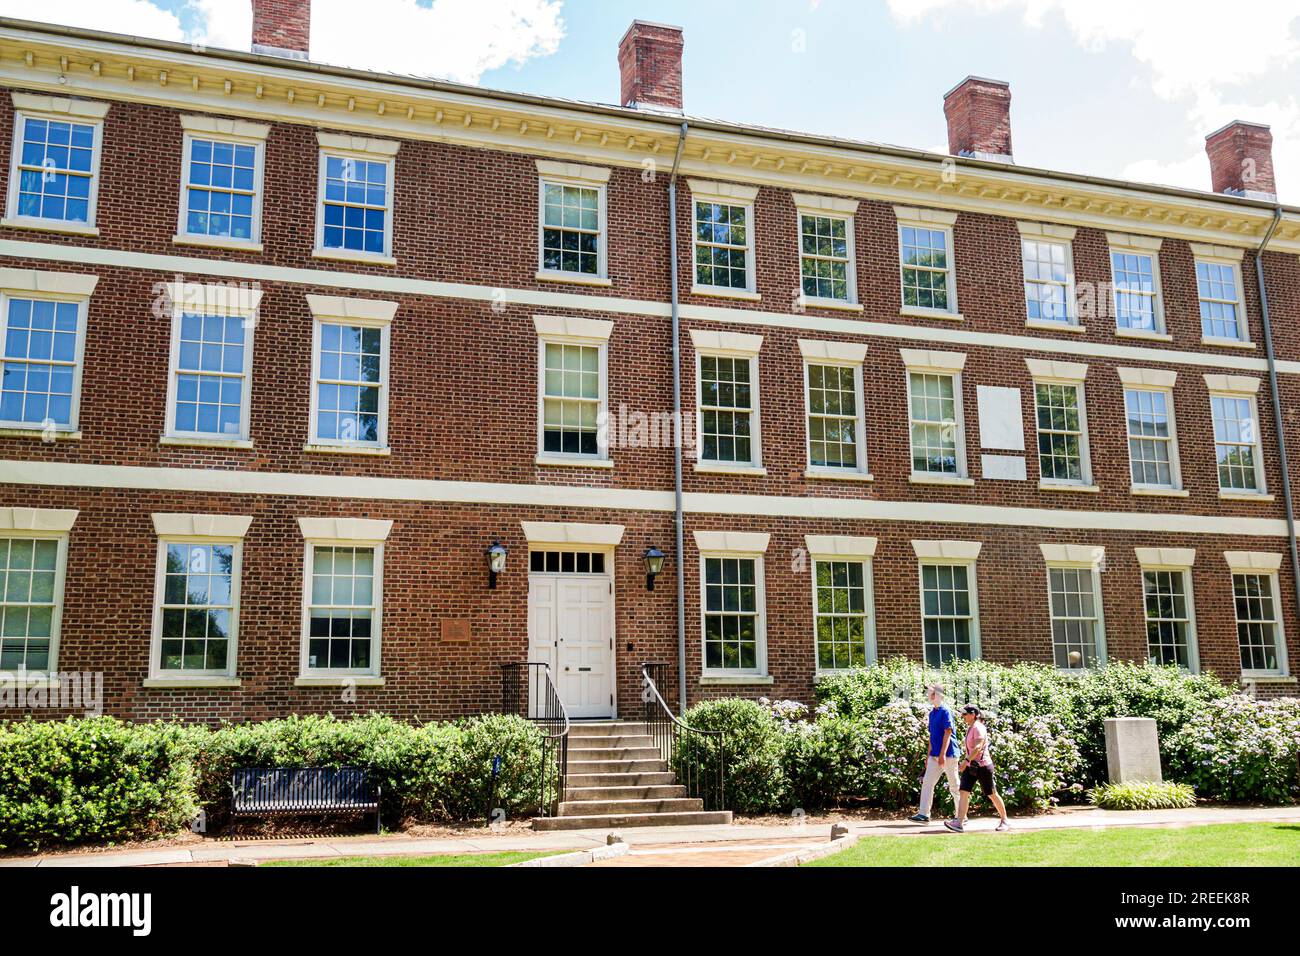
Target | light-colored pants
(932,772)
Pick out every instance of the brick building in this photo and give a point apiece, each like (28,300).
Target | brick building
(289,347)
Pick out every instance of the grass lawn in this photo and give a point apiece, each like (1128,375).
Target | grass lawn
(445,859)
(1228,844)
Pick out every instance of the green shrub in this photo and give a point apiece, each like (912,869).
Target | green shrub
(94,779)
(1142,796)
(755,782)
(1239,749)
(820,761)
(1035,759)
(465,785)
(893,744)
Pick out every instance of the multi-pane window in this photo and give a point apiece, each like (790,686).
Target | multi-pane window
(721,245)
(947,612)
(933,422)
(1220,300)
(1060,432)
(1047,280)
(571,229)
(210,367)
(1075,614)
(39,381)
(570,398)
(731,614)
(833,417)
(841,614)
(221,189)
(355,204)
(925,267)
(1135,290)
(567,562)
(197,608)
(1150,437)
(727,409)
(349,384)
(342,606)
(825,252)
(28,602)
(1257,623)
(1168,616)
(55,169)
(1236,442)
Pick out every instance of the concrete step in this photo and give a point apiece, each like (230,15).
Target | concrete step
(649,792)
(652,779)
(582,767)
(689,818)
(614,728)
(595,743)
(591,808)
(614,753)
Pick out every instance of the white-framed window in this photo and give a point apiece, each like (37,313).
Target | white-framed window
(949,603)
(54,174)
(926,266)
(1135,277)
(1061,418)
(827,261)
(571,225)
(1219,294)
(732,603)
(572,389)
(196,598)
(935,415)
(1047,257)
(1170,612)
(43,315)
(833,400)
(342,602)
(33,565)
(1074,605)
(354,219)
(221,182)
(844,626)
(1258,612)
(722,238)
(1238,450)
(349,392)
(727,424)
(209,385)
(1151,432)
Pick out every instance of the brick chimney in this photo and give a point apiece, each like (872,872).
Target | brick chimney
(282,27)
(1241,160)
(979,118)
(650,66)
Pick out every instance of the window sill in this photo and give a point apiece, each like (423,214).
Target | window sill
(381,451)
(721,293)
(913,312)
(839,304)
(1248,677)
(707,468)
(1159,492)
(846,475)
(191,683)
(718,680)
(1227,343)
(42,225)
(575,278)
(181,441)
(574,462)
(343,255)
(1054,486)
(361,680)
(916,479)
(39,433)
(1042,325)
(1244,496)
(1141,334)
(29,680)
(216,242)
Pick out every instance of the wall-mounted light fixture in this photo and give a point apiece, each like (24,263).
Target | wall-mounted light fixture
(496,561)
(654,563)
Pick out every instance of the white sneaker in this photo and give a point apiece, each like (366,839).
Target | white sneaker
(954,826)
(1002,827)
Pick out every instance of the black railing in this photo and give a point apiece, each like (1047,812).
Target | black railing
(698,757)
(528,691)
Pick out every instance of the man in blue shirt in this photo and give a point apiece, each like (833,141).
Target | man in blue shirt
(942,755)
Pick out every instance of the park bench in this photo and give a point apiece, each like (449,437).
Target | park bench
(303,791)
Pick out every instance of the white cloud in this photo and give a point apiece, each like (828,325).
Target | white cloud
(137,17)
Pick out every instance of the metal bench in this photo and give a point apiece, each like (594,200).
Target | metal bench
(303,791)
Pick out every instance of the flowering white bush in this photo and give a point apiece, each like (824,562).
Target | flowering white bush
(1240,749)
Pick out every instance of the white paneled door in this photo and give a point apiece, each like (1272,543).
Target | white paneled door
(570,626)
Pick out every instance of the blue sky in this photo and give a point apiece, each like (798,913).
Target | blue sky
(1124,88)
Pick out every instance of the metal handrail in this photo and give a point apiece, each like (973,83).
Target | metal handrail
(542,705)
(667,731)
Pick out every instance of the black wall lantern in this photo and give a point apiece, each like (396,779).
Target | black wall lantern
(654,563)
(496,561)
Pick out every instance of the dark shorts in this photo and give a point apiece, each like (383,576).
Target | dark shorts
(977,772)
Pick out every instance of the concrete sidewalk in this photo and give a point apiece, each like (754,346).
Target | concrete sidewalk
(663,840)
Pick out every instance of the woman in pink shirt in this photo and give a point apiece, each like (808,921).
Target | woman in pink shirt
(978,766)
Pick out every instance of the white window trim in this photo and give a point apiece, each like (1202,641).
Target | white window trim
(1223,256)
(854,550)
(345,533)
(839,355)
(197,529)
(211,300)
(1171,559)
(828,207)
(964,553)
(1143,246)
(239,132)
(750,546)
(929,361)
(730,194)
(1264,564)
(587,177)
(940,221)
(1078,556)
(1152,380)
(369,313)
(573,330)
(729,345)
(1060,236)
(1047,372)
(1238,387)
(61,109)
(51,524)
(372,151)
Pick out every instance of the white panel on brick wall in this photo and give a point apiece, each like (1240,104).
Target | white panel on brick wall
(1002,423)
(1002,467)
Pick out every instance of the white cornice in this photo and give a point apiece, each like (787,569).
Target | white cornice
(741,542)
(201,526)
(344,529)
(572,532)
(855,353)
(369,311)
(57,283)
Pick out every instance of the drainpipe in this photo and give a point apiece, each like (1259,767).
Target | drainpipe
(1277,405)
(678,523)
